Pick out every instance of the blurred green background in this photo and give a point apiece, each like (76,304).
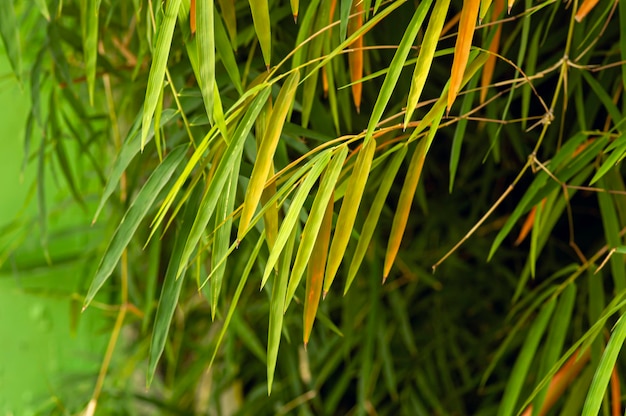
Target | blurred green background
(49,351)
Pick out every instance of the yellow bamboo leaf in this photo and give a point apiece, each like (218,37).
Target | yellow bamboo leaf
(487,74)
(584,9)
(425,58)
(467,25)
(315,272)
(262,27)
(355,57)
(265,152)
(348,211)
(270,217)
(407,193)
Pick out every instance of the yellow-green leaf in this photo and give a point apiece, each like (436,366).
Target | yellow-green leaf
(265,153)
(205,35)
(262,27)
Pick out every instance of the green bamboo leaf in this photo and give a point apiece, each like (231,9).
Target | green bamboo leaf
(265,152)
(459,132)
(536,231)
(277,307)
(344,16)
(425,58)
(557,332)
(135,213)
(524,359)
(604,97)
(605,368)
(262,27)
(316,215)
(89,24)
(348,211)
(374,213)
(230,19)
(170,291)
(221,242)
(233,304)
(290,221)
(11,36)
(221,175)
(225,52)
(396,65)
(611,161)
(43,8)
(295,5)
(130,149)
(531,195)
(205,44)
(611,225)
(159,64)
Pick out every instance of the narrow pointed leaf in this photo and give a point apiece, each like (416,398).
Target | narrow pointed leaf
(355,57)
(262,27)
(346,6)
(129,150)
(467,25)
(221,175)
(159,63)
(605,368)
(265,153)
(89,23)
(295,207)
(171,287)
(277,306)
(396,66)
(10,36)
(425,57)
(407,193)
(205,43)
(490,65)
(315,271)
(133,217)
(373,215)
(348,211)
(230,20)
(314,222)
(524,360)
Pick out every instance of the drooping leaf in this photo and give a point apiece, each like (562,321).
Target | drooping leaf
(11,36)
(262,27)
(467,25)
(133,217)
(158,66)
(205,43)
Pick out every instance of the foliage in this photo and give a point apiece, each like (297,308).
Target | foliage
(235,149)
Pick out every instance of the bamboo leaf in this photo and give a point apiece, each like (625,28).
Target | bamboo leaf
(240,286)
(159,64)
(277,306)
(427,52)
(221,175)
(262,27)
(265,153)
(467,25)
(407,193)
(355,57)
(133,217)
(225,51)
(605,368)
(171,288)
(11,36)
(89,24)
(295,207)
(344,12)
(316,215)
(230,19)
(348,211)
(221,242)
(395,67)
(524,359)
(315,271)
(129,150)
(205,44)
(373,215)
